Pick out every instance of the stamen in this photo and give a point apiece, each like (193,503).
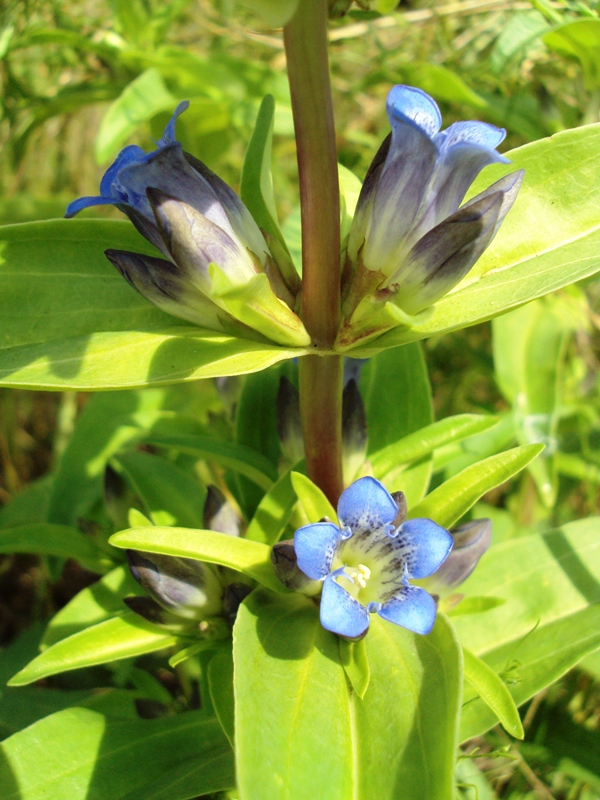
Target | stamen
(346,532)
(362,575)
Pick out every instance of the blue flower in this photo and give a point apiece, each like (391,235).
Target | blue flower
(366,562)
(411,239)
(217,270)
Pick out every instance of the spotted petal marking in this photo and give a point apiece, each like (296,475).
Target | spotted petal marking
(366,506)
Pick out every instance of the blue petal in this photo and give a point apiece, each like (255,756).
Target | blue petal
(412,608)
(315,547)
(457,167)
(411,103)
(86,202)
(168,136)
(472,132)
(132,154)
(366,506)
(340,612)
(168,171)
(400,191)
(431,546)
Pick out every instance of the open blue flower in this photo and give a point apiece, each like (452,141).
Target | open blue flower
(366,562)
(410,235)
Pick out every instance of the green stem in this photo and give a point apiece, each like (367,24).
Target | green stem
(321,413)
(305,38)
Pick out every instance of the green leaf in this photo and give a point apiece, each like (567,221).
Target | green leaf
(54,540)
(108,422)
(111,640)
(533,663)
(529,352)
(293,724)
(170,494)
(579,39)
(408,720)
(388,376)
(220,684)
(238,457)
(276,13)
(30,505)
(273,512)
(96,603)
(353,656)
(243,555)
(550,620)
(475,605)
(146,96)
(520,32)
(120,760)
(422,443)
(492,690)
(450,501)
(81,326)
(256,187)
(256,427)
(442,83)
(321,739)
(350,187)
(549,239)
(315,503)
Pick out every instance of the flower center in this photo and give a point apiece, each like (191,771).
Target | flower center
(360,574)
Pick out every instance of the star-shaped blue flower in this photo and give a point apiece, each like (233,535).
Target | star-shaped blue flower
(366,562)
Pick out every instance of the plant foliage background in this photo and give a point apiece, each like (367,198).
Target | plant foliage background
(79,81)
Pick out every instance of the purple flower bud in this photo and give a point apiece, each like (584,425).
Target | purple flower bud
(183,586)
(411,239)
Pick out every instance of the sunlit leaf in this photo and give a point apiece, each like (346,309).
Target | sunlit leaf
(244,555)
(108,641)
(450,501)
(166,759)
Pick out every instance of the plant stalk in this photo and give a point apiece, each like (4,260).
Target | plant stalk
(321,414)
(305,39)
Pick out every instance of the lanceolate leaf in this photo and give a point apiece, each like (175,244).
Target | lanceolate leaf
(119,637)
(550,620)
(492,690)
(96,603)
(244,555)
(54,540)
(69,320)
(423,442)
(256,188)
(237,457)
(313,500)
(385,378)
(273,512)
(447,504)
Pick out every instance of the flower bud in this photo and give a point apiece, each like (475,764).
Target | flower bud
(289,426)
(216,269)
(183,586)
(471,540)
(219,515)
(411,240)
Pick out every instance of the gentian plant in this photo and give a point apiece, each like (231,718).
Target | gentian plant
(307,653)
